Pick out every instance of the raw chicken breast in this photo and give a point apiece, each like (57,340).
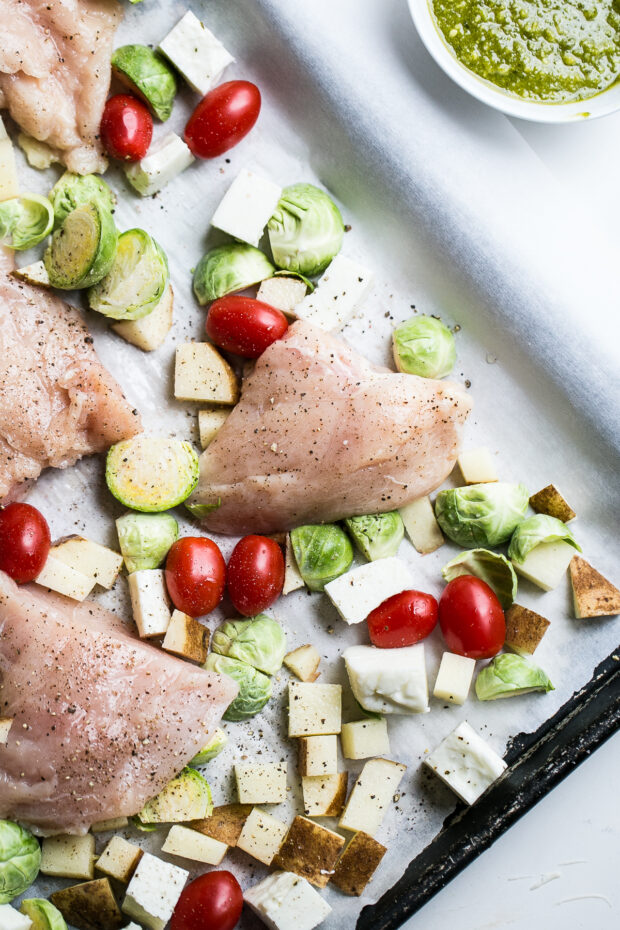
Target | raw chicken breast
(57,401)
(320,434)
(55,72)
(102,721)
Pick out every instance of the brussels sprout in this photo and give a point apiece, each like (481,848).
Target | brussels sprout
(492,567)
(211,750)
(200,511)
(82,249)
(481,514)
(25,221)
(73,190)
(136,282)
(424,346)
(306,230)
(322,553)
(536,530)
(259,641)
(186,797)
(151,473)
(20,858)
(148,76)
(377,535)
(508,675)
(145,539)
(43,914)
(228,268)
(254,687)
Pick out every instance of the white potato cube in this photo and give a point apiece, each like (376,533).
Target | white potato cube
(342,287)
(150,602)
(196,53)
(190,844)
(292,576)
(150,332)
(68,856)
(12,919)
(200,373)
(388,681)
(187,638)
(36,273)
(304,662)
(324,795)
(247,206)
(9,186)
(89,558)
(465,763)
(263,783)
(5,728)
(282,292)
(477,466)
(314,710)
(210,423)
(163,162)
(262,835)
(372,795)
(454,678)
(318,755)
(153,892)
(365,738)
(421,526)
(358,592)
(546,564)
(119,859)
(65,580)
(105,826)
(285,901)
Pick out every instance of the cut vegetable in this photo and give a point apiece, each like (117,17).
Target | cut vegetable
(454,678)
(262,836)
(38,154)
(358,864)
(150,602)
(33,274)
(201,374)
(318,755)
(465,763)
(550,501)
(282,292)
(62,578)
(314,710)
(25,221)
(74,190)
(189,844)
(362,739)
(593,594)
(160,165)
(310,851)
(68,856)
(508,675)
(372,795)
(210,423)
(535,531)
(324,795)
(145,539)
(421,526)
(89,906)
(39,914)
(186,797)
(247,207)
(524,629)
(137,280)
(150,332)
(225,823)
(492,567)
(151,474)
(229,268)
(89,558)
(196,53)
(263,783)
(477,466)
(119,859)
(83,247)
(148,76)
(9,186)
(213,748)
(186,638)
(377,535)
(303,662)
(105,826)
(546,564)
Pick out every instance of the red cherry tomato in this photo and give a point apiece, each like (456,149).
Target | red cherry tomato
(244,326)
(255,574)
(24,542)
(222,118)
(213,901)
(402,620)
(126,128)
(471,618)
(195,575)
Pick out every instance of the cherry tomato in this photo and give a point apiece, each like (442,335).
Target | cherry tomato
(255,574)
(213,901)
(244,326)
(471,618)
(24,542)
(195,575)
(222,118)
(126,128)
(402,620)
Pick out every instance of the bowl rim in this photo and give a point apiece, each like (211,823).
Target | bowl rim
(574,111)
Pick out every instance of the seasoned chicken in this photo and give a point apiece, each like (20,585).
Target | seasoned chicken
(320,434)
(57,401)
(101,720)
(55,72)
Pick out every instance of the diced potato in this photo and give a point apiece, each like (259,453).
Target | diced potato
(292,576)
(105,826)
(282,292)
(36,273)
(150,602)
(89,906)
(304,662)
(358,864)
(324,795)
(5,728)
(371,796)
(65,580)
(546,564)
(68,856)
(421,526)
(119,859)
(550,501)
(362,739)
(225,823)
(314,710)
(477,466)
(38,154)
(263,783)
(200,373)
(210,423)
(150,332)
(524,629)
(262,836)
(89,558)
(318,755)
(190,844)
(309,850)
(9,186)
(593,594)
(186,638)
(454,678)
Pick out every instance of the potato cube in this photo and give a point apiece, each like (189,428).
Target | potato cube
(282,292)
(150,332)
(365,738)
(5,728)
(310,851)
(225,823)
(105,826)
(89,906)
(477,466)
(210,423)
(262,836)
(190,844)
(62,578)
(318,755)
(593,594)
(546,564)
(261,783)
(89,558)
(313,710)
(358,864)
(292,576)
(150,602)
(524,629)
(371,796)
(454,678)
(550,501)
(201,374)
(324,795)
(36,273)
(68,856)
(304,662)
(186,638)
(119,859)
(421,526)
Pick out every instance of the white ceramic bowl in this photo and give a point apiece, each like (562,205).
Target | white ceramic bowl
(606,102)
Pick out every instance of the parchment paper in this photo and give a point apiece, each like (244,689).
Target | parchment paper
(455,216)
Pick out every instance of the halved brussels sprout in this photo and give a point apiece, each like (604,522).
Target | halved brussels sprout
(538,529)
(228,268)
(254,687)
(186,797)
(377,535)
(508,675)
(20,858)
(200,511)
(212,749)
(145,539)
(306,230)
(322,553)
(25,221)
(151,473)
(43,914)
(260,642)
(491,567)
(82,249)
(148,76)
(137,280)
(481,515)
(73,190)
(424,346)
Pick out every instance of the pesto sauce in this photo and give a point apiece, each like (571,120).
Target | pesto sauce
(542,50)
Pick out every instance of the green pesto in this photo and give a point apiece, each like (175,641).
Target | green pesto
(551,51)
